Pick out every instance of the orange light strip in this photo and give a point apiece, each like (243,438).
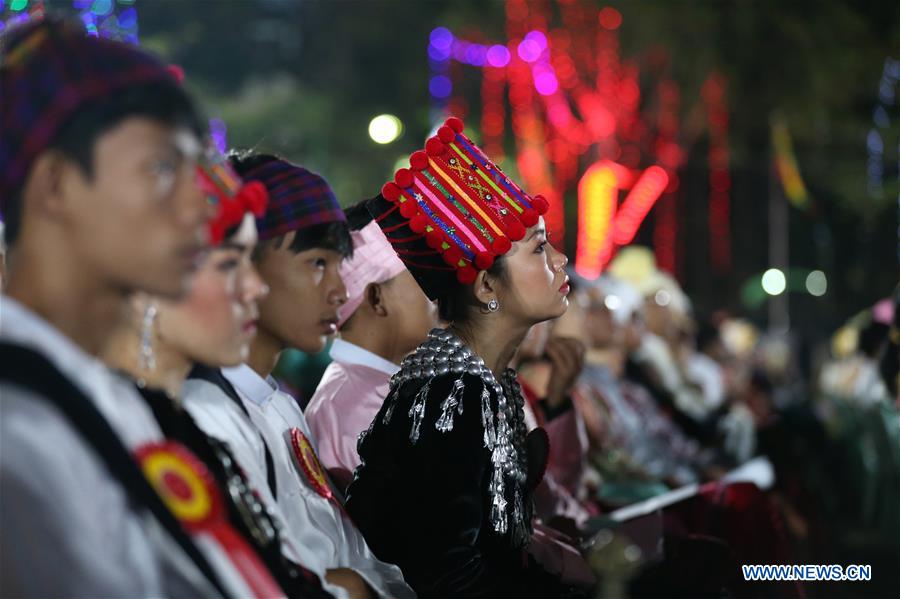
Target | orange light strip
(597,201)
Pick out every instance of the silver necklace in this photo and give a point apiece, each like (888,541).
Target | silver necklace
(445,354)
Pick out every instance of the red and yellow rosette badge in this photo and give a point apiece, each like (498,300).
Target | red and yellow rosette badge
(183,482)
(189,491)
(307,461)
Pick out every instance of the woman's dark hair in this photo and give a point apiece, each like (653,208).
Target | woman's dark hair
(458,302)
(329,236)
(358,216)
(166,103)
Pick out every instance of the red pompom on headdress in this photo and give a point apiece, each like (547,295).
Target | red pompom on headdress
(460,203)
(225,189)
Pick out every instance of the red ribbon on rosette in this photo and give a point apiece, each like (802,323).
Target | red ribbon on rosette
(189,491)
(306,460)
(308,463)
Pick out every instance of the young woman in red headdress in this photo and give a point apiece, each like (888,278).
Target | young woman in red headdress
(445,486)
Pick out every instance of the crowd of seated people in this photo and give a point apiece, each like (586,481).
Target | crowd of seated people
(490,424)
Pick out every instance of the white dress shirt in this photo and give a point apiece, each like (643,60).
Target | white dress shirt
(68,527)
(315,522)
(219,417)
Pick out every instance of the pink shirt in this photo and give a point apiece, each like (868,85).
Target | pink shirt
(346,401)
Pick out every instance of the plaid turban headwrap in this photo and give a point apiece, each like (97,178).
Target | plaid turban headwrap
(49,69)
(298,199)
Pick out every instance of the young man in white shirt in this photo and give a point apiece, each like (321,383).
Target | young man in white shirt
(386,317)
(97,165)
(303,238)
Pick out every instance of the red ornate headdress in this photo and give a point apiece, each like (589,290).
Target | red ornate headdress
(459,202)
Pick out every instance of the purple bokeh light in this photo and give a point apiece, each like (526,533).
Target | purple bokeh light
(218,133)
(441,38)
(476,54)
(459,50)
(440,86)
(128,18)
(545,81)
(438,54)
(538,37)
(498,56)
(529,50)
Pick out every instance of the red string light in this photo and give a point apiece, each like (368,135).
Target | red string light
(665,231)
(713,93)
(637,204)
(570,93)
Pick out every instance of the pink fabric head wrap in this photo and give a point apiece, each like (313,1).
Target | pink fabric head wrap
(374,261)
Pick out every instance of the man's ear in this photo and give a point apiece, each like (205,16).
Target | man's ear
(51,185)
(374,296)
(483,287)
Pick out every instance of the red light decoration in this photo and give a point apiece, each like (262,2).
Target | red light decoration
(493,111)
(713,93)
(570,94)
(665,230)
(597,202)
(610,18)
(637,204)
(602,225)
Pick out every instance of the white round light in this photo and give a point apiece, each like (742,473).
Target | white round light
(662,298)
(774,282)
(612,302)
(816,283)
(385,128)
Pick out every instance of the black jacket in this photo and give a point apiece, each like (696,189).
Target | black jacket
(425,506)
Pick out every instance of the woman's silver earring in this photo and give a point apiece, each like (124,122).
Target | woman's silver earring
(493,305)
(148,358)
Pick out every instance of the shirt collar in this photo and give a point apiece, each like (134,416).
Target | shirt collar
(352,354)
(22,326)
(247,381)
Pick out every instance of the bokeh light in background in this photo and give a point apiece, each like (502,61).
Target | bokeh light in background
(662,298)
(604,225)
(816,283)
(610,18)
(440,86)
(570,94)
(597,203)
(498,56)
(638,203)
(113,19)
(16,13)
(385,128)
(529,80)
(774,282)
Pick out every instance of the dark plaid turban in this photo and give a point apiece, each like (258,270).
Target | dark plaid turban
(49,69)
(298,199)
